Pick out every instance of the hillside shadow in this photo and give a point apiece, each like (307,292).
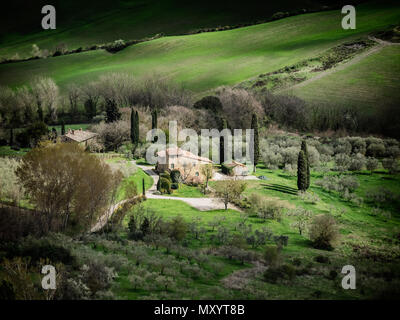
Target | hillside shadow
(280,188)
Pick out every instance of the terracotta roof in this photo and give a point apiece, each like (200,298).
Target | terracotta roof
(182,153)
(79,135)
(234,163)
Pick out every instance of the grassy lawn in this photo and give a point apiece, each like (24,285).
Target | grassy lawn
(6,151)
(143,162)
(186,191)
(78,126)
(137,179)
(207,60)
(357,226)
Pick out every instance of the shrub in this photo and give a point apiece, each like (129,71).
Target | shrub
(391,164)
(357,162)
(177,228)
(324,232)
(376,150)
(210,102)
(380,196)
(166,175)
(264,208)
(112,135)
(348,182)
(342,161)
(273,274)
(372,164)
(358,145)
(10,189)
(115,46)
(271,159)
(164,185)
(313,156)
(272,256)
(176,176)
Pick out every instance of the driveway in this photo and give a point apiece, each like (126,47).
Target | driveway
(202,204)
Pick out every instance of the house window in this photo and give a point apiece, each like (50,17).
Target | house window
(197,174)
(172,165)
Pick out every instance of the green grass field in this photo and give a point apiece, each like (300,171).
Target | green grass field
(205,61)
(357,224)
(84,23)
(83,126)
(187,192)
(371,82)
(137,180)
(6,151)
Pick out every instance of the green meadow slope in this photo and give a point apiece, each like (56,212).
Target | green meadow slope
(205,61)
(84,23)
(371,82)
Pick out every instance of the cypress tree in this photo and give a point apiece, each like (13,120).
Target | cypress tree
(11,137)
(144,189)
(62,127)
(137,127)
(254,126)
(302,171)
(221,142)
(154,119)
(154,122)
(145,227)
(304,149)
(133,124)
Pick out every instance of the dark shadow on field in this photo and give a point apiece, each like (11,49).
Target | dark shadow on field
(280,188)
(301,242)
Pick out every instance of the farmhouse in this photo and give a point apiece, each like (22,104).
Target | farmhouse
(186,162)
(79,136)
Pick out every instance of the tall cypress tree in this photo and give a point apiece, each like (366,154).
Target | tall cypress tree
(304,149)
(221,142)
(154,119)
(143,187)
(302,171)
(137,127)
(254,126)
(133,124)
(11,137)
(62,127)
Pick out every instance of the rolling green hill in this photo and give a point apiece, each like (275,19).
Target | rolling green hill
(371,82)
(84,23)
(204,61)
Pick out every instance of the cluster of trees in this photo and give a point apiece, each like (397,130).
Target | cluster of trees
(68,185)
(348,153)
